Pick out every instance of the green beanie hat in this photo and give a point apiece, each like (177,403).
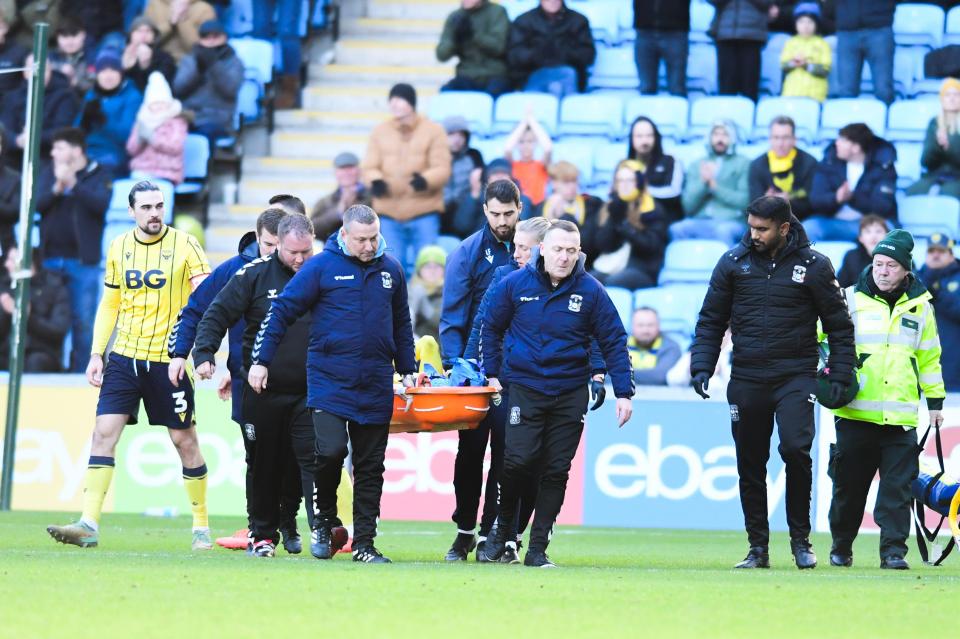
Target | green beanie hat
(430,254)
(898,244)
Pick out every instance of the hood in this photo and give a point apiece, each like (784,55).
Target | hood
(731,128)
(335,243)
(248,247)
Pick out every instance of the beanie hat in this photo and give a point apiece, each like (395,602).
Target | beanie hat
(897,244)
(949,83)
(809,9)
(109,59)
(157,89)
(143,21)
(431,254)
(405,92)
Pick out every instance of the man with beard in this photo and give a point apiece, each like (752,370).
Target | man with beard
(770,289)
(652,354)
(662,172)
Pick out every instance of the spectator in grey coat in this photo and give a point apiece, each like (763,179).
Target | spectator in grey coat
(740,30)
(652,354)
(464,160)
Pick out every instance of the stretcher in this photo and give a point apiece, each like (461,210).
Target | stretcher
(427,409)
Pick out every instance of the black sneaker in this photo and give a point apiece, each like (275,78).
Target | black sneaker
(462,546)
(841,560)
(756,558)
(292,542)
(894,562)
(263,548)
(510,554)
(803,553)
(320,544)
(369,555)
(538,559)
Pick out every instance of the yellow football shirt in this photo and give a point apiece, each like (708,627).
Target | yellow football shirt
(154,282)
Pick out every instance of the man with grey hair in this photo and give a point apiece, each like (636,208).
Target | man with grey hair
(277,419)
(327,214)
(360,333)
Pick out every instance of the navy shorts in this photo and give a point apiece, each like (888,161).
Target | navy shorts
(126,381)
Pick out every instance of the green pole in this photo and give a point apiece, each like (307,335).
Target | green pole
(21,281)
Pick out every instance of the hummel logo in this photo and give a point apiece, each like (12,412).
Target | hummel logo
(272,294)
(343,277)
(529,299)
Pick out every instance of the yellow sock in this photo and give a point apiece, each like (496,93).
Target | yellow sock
(95,487)
(345,499)
(195,481)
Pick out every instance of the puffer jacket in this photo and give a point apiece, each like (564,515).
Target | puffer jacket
(740,19)
(107,120)
(210,91)
(875,192)
(538,41)
(162,156)
(484,54)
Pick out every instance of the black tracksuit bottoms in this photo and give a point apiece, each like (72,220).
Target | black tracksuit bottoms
(542,435)
(861,450)
(279,445)
(369,445)
(753,406)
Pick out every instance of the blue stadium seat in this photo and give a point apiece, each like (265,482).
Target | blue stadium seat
(448,243)
(119,205)
(706,110)
(475,106)
(701,69)
(907,120)
(490,148)
(591,114)
(605,160)
(604,18)
(701,15)
(688,153)
(517,7)
(918,24)
(835,251)
(628,34)
(840,112)
(623,299)
(754,149)
(257,57)
(690,261)
(238,18)
(510,108)
(579,153)
(196,164)
(924,215)
(111,231)
(804,111)
(771,75)
(614,68)
(908,163)
(919,253)
(248,101)
(670,112)
(952,30)
(904,72)
(677,304)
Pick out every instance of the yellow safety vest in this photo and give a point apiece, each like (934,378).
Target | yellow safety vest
(641,358)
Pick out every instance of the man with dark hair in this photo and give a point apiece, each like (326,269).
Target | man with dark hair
(857,176)
(289,203)
(770,290)
(469,215)
(469,271)
(662,172)
(784,170)
(73,194)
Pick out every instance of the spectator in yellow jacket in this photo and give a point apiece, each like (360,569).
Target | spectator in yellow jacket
(806,57)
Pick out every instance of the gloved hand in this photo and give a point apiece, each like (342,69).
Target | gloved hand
(837,389)
(598,392)
(418,182)
(700,383)
(463,29)
(378,188)
(617,208)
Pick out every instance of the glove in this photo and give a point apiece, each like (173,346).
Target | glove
(463,30)
(418,183)
(378,188)
(617,208)
(598,392)
(700,383)
(837,389)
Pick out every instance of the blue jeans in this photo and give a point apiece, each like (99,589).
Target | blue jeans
(727,231)
(84,282)
(669,46)
(874,45)
(285,28)
(559,81)
(405,239)
(494,86)
(828,229)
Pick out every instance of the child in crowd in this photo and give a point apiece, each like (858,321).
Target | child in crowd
(426,291)
(806,57)
(528,171)
(72,57)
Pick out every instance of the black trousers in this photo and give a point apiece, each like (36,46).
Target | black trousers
(861,450)
(293,490)
(542,435)
(369,444)
(738,67)
(752,410)
(274,484)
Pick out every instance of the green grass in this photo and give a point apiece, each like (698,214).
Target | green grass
(144,582)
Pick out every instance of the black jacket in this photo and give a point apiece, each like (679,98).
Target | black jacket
(9,205)
(647,245)
(661,15)
(853,264)
(12,55)
(537,41)
(60,108)
(74,220)
(161,61)
(771,307)
(248,296)
(804,165)
(853,15)
(48,321)
(876,192)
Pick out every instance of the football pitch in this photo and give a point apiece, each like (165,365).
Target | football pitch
(143,581)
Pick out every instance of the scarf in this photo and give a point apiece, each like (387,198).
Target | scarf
(781,170)
(576,210)
(149,121)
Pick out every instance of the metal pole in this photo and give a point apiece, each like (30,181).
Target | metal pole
(21,280)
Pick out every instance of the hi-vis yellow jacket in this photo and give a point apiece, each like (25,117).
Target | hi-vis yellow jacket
(899,352)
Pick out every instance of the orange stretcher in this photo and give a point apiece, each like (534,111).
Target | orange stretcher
(441,408)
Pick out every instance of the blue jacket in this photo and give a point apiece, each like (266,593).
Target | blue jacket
(468,275)
(550,331)
(944,285)
(185,330)
(853,15)
(108,121)
(875,192)
(360,327)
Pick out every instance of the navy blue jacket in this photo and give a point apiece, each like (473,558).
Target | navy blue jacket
(875,192)
(550,331)
(944,284)
(468,275)
(853,15)
(185,330)
(71,223)
(360,327)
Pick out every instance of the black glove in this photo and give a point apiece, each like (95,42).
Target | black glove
(206,57)
(463,30)
(92,116)
(418,183)
(837,389)
(598,392)
(617,208)
(700,383)
(378,188)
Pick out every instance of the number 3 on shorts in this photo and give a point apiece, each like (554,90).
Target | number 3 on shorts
(180,397)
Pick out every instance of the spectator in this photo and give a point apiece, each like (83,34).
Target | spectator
(9,200)
(159,134)
(662,174)
(179,22)
(568,203)
(60,107)
(781,18)
(73,194)
(679,375)
(101,20)
(426,291)
(464,161)
(109,111)
(662,34)
(873,228)
(208,82)
(856,177)
(141,56)
(865,30)
(327,214)
(784,170)
(285,29)
(740,31)
(477,34)
(48,318)
(407,166)
(941,275)
(632,233)
(530,172)
(470,217)
(941,146)
(716,190)
(551,48)
(806,57)
(652,354)
(73,56)
(12,54)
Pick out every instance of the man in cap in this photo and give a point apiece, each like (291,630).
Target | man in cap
(941,275)
(327,214)
(463,161)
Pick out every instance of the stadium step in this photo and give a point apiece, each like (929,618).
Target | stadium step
(356,98)
(409,27)
(386,51)
(308,119)
(309,191)
(291,168)
(419,76)
(411,9)
(298,144)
